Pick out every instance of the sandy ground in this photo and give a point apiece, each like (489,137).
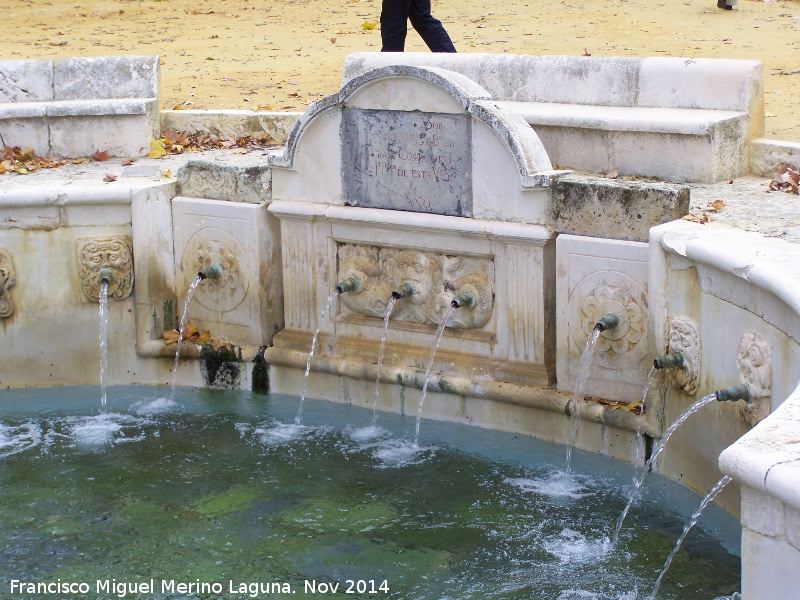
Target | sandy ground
(284,54)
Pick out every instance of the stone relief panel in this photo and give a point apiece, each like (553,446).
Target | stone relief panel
(98,253)
(755,368)
(435,278)
(7,279)
(683,337)
(596,276)
(605,292)
(214,246)
(239,305)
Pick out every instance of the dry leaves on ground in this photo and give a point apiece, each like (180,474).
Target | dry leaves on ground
(24,160)
(702,218)
(194,335)
(786,180)
(176,142)
(634,407)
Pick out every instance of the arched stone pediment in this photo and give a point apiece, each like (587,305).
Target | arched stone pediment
(412,138)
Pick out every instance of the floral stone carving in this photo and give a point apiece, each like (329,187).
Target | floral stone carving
(683,337)
(435,278)
(7,279)
(755,368)
(112,253)
(215,246)
(605,292)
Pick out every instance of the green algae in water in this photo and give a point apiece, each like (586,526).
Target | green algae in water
(221,487)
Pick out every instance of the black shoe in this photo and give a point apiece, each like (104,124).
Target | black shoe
(722,4)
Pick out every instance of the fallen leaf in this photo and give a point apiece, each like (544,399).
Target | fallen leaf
(58,43)
(177,107)
(156,149)
(716,206)
(101,156)
(702,218)
(786,180)
(586,52)
(171,336)
(128,162)
(109,178)
(368,26)
(612,174)
(630,407)
(333,40)
(166,173)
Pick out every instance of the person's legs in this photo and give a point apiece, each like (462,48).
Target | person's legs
(430,30)
(394,24)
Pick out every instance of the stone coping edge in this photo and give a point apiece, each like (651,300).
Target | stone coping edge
(548,399)
(76,193)
(768,156)
(769,264)
(226,123)
(767,458)
(398,219)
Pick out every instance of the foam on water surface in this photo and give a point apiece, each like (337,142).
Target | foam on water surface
(19,438)
(557,484)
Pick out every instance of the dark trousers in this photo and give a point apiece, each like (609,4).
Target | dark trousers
(394,17)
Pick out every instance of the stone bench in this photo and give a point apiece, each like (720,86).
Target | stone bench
(72,107)
(685,120)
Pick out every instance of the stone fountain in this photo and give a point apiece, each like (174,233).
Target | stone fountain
(438,174)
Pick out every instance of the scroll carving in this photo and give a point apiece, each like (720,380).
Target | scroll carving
(755,368)
(7,279)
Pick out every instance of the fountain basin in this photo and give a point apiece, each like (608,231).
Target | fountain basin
(139,493)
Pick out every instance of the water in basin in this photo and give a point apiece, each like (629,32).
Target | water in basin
(223,487)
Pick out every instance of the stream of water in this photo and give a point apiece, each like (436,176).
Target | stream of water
(580,389)
(656,451)
(181,329)
(389,309)
(103,341)
(445,317)
(651,377)
(691,523)
(299,418)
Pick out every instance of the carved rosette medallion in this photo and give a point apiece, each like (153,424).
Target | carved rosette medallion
(605,292)
(98,253)
(435,278)
(216,246)
(755,369)
(7,278)
(683,337)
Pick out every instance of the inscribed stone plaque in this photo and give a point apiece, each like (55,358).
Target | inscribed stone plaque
(414,161)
